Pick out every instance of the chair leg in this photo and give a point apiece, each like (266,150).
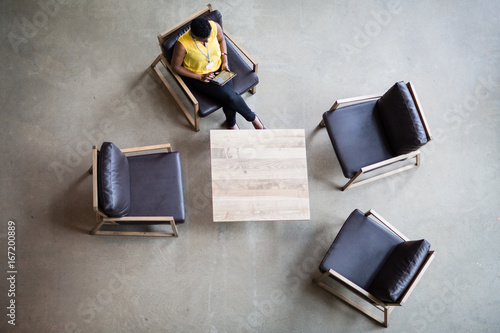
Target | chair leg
(174,229)
(386,310)
(386,317)
(322,123)
(96,229)
(90,170)
(351,182)
(196,121)
(153,65)
(417,160)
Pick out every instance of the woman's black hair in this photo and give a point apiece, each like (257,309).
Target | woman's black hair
(200,27)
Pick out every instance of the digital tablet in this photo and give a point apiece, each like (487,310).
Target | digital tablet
(223,77)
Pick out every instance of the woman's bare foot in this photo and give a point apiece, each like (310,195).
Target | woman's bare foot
(257,124)
(235,127)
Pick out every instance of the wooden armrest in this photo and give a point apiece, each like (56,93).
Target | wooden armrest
(390,161)
(179,80)
(95,199)
(242,50)
(357,289)
(353,100)
(387,224)
(140,219)
(413,93)
(147,148)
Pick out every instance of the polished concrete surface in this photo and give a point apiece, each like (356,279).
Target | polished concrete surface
(75,74)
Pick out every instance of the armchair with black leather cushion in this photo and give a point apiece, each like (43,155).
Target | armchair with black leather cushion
(373,132)
(238,58)
(372,259)
(137,186)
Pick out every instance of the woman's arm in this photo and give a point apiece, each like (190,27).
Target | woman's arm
(223,47)
(177,60)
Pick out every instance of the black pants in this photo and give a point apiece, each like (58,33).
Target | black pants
(230,100)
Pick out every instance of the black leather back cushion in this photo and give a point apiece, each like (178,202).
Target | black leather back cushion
(399,269)
(401,120)
(114,181)
(168,44)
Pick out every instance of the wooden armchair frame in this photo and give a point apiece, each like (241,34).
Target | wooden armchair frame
(384,307)
(192,116)
(414,154)
(103,219)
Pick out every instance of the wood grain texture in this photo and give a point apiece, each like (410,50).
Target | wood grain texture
(259,175)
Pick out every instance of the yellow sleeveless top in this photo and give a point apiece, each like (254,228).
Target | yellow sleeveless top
(195,60)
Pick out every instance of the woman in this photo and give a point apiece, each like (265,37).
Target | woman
(198,54)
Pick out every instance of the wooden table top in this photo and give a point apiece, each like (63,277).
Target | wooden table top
(259,175)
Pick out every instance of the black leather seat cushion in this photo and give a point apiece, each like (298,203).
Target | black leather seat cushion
(360,249)
(113,181)
(400,119)
(244,81)
(156,186)
(357,136)
(399,270)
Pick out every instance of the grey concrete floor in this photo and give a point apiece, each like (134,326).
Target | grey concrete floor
(75,74)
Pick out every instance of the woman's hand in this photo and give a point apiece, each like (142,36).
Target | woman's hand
(207,77)
(225,66)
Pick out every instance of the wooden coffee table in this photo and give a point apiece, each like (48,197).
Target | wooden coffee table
(259,175)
